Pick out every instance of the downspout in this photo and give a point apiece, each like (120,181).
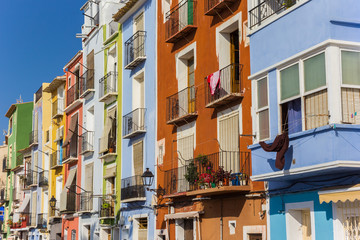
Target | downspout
(221,220)
(198,221)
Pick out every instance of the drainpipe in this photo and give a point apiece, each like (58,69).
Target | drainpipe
(198,221)
(221,220)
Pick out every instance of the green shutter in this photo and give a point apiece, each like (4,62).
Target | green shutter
(314,72)
(350,62)
(289,82)
(190,6)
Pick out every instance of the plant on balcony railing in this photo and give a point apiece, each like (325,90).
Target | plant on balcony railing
(108,84)
(87,82)
(72,94)
(33,137)
(132,187)
(87,142)
(42,221)
(181,105)
(107,205)
(134,122)
(43,178)
(55,159)
(180,20)
(135,49)
(228,85)
(218,169)
(58,107)
(24,221)
(268,8)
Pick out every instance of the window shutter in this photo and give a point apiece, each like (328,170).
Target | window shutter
(90,71)
(139,22)
(262,93)
(316,110)
(186,149)
(89,169)
(138,158)
(350,101)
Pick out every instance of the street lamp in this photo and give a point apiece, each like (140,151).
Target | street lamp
(53,202)
(148,179)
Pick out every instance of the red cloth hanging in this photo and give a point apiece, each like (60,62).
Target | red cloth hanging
(213,81)
(280,145)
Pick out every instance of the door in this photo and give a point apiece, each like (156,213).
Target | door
(191,83)
(234,61)
(138,43)
(306,224)
(255,236)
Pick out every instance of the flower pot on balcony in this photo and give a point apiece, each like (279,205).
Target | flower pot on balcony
(226,181)
(111,150)
(213,185)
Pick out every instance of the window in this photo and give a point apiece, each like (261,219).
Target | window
(185,229)
(347,219)
(47,136)
(185,152)
(309,91)
(110,185)
(263,108)
(300,220)
(229,142)
(142,228)
(73,234)
(350,91)
(10,126)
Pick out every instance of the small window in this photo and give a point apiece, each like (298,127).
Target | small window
(350,66)
(10,125)
(47,136)
(289,82)
(262,107)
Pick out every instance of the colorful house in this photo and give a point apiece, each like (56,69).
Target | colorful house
(57,91)
(71,158)
(138,103)
(305,86)
(20,123)
(3,177)
(204,124)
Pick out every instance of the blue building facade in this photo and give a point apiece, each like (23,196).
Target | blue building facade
(305,85)
(137,218)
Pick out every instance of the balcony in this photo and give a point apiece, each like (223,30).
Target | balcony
(38,94)
(181,107)
(72,98)
(24,222)
(134,123)
(87,142)
(205,175)
(227,90)
(87,83)
(268,8)
(43,178)
(180,21)
(3,196)
(132,189)
(107,206)
(6,165)
(59,134)
(214,7)
(58,108)
(72,201)
(70,152)
(86,202)
(31,178)
(108,88)
(33,138)
(42,221)
(135,50)
(56,160)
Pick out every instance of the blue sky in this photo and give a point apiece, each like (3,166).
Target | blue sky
(37,38)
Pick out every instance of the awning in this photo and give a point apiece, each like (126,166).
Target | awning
(104,142)
(110,172)
(340,194)
(24,204)
(63,194)
(72,129)
(183,215)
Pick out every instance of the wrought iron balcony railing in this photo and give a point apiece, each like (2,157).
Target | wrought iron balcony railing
(134,123)
(132,188)
(203,168)
(70,151)
(87,82)
(33,137)
(56,159)
(135,50)
(87,142)
(108,86)
(72,201)
(58,108)
(43,178)
(180,20)
(72,94)
(86,202)
(268,8)
(38,94)
(228,89)
(181,106)
(6,165)
(31,178)
(214,7)
(42,221)
(3,195)
(107,206)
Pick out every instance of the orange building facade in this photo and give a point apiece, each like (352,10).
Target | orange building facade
(69,202)
(204,124)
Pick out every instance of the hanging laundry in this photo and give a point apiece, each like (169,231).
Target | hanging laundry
(213,80)
(280,145)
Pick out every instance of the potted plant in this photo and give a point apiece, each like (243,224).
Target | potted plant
(203,159)
(205,179)
(191,174)
(222,176)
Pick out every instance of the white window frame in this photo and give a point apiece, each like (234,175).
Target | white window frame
(141,11)
(136,224)
(302,95)
(179,230)
(182,68)
(258,110)
(299,206)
